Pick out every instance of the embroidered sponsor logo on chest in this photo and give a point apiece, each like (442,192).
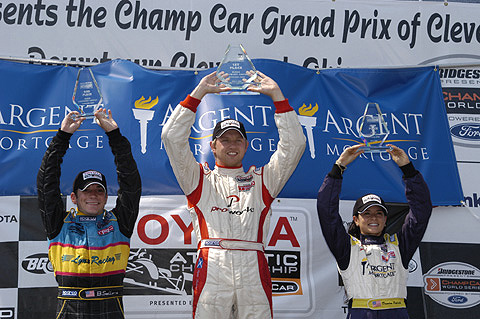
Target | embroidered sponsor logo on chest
(379,271)
(390,254)
(245,183)
(244,179)
(93,260)
(105,230)
(232,211)
(245,188)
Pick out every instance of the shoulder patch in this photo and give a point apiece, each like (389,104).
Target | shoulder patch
(391,239)
(110,216)
(206,169)
(354,241)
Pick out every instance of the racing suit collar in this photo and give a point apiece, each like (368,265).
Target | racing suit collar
(76,214)
(372,240)
(229,171)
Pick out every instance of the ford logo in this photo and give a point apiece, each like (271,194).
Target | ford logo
(457,299)
(466,131)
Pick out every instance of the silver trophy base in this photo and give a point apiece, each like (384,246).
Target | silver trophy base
(86,116)
(374,149)
(238,92)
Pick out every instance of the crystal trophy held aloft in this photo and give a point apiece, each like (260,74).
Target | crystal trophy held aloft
(373,129)
(86,94)
(236,70)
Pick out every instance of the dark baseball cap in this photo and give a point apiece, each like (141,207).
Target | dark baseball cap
(226,125)
(87,178)
(367,201)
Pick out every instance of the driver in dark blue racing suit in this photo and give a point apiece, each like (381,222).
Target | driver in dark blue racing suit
(89,246)
(373,264)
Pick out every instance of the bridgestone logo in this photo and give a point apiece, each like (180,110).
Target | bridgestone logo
(442,271)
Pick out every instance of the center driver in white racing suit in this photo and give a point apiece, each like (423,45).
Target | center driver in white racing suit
(230,208)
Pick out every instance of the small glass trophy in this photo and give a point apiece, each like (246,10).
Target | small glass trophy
(86,94)
(236,70)
(373,130)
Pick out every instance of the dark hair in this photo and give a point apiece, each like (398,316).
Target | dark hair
(354,230)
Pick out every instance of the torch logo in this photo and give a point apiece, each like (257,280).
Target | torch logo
(143,114)
(308,121)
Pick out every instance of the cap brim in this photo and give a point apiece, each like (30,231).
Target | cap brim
(374,204)
(91,183)
(231,128)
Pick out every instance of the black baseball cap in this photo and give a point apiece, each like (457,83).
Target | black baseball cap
(367,201)
(87,178)
(226,125)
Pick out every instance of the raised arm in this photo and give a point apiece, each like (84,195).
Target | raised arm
(338,241)
(419,202)
(291,142)
(177,130)
(208,84)
(50,203)
(128,176)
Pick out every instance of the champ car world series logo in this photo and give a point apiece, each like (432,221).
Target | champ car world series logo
(453,284)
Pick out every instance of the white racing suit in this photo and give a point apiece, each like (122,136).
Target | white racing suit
(231,213)
(374,269)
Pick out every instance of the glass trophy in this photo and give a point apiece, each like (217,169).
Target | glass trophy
(236,70)
(86,94)
(373,130)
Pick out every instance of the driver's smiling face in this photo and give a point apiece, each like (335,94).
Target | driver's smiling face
(90,201)
(372,221)
(229,149)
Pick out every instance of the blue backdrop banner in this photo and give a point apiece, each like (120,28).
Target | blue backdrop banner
(35,98)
